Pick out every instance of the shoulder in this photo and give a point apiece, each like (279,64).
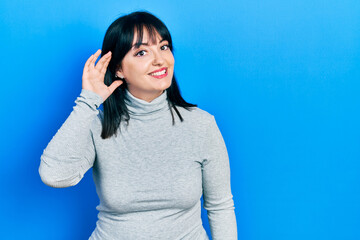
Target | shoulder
(196,115)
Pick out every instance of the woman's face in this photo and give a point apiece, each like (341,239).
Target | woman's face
(139,65)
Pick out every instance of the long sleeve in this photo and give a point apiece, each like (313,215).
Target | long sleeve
(71,152)
(218,199)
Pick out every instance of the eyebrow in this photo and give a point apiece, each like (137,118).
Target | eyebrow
(146,44)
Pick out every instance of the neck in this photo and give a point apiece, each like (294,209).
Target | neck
(143,110)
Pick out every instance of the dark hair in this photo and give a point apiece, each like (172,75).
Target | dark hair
(118,39)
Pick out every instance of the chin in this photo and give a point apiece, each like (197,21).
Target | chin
(165,84)
(163,88)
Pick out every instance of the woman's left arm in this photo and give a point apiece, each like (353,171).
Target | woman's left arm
(218,199)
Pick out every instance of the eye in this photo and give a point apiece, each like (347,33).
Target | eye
(140,53)
(166,47)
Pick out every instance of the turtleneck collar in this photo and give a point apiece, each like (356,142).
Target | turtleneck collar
(143,110)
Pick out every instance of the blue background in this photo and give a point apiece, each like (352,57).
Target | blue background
(281,78)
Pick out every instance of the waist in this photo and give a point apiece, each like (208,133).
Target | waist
(159,224)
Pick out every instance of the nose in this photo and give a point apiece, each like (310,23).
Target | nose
(158,59)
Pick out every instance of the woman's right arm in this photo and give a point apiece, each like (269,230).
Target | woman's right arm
(71,152)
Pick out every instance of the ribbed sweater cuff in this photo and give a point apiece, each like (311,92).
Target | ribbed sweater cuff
(92,97)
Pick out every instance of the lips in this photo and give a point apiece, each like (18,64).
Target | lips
(159,70)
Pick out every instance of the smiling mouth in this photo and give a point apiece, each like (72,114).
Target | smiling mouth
(160,74)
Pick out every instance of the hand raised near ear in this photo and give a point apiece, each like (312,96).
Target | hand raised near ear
(93,76)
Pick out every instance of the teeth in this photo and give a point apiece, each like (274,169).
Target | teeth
(158,73)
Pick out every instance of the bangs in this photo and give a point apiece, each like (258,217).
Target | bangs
(152,33)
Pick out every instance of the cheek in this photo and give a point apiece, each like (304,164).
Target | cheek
(171,59)
(136,68)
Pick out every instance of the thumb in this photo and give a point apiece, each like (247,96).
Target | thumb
(114,85)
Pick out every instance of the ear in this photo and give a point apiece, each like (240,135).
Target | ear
(119,72)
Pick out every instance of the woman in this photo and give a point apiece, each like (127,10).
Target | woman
(150,166)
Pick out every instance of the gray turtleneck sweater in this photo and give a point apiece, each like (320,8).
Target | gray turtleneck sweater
(151,176)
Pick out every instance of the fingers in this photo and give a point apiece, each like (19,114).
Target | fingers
(114,85)
(104,62)
(87,64)
(101,65)
(94,57)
